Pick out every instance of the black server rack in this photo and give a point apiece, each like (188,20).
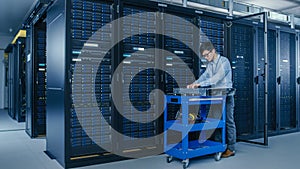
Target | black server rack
(242,66)
(138,59)
(16,85)
(180,28)
(286,81)
(260,80)
(73,94)
(36,79)
(177,23)
(10,80)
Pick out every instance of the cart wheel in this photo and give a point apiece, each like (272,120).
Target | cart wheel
(185,163)
(218,156)
(169,159)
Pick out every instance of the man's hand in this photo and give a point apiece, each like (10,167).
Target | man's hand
(191,86)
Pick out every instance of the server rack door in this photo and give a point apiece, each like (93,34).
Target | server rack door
(39,77)
(137,111)
(29,82)
(180,58)
(91,118)
(272,81)
(11,69)
(19,88)
(242,66)
(180,28)
(286,81)
(36,79)
(181,40)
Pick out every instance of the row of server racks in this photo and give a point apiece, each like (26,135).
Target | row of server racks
(102,83)
(26,73)
(247,60)
(99,87)
(16,80)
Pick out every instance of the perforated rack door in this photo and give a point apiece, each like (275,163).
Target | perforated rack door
(87,17)
(242,70)
(138,76)
(286,81)
(271,80)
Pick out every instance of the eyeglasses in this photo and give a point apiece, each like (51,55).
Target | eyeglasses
(207,54)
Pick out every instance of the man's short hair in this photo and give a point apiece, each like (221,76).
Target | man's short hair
(206,46)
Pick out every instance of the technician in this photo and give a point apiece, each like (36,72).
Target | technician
(218,74)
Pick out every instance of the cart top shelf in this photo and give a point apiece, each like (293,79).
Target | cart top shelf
(192,100)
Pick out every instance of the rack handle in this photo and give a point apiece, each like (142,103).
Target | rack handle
(279,80)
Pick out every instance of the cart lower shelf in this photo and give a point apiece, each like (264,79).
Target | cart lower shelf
(195,149)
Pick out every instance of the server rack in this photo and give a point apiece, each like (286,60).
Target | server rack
(186,59)
(16,85)
(277,107)
(242,60)
(36,79)
(206,27)
(260,80)
(138,61)
(180,27)
(9,49)
(286,81)
(71,62)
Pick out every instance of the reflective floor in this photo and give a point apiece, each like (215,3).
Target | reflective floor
(18,151)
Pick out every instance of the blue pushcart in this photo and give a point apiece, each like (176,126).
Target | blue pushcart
(184,148)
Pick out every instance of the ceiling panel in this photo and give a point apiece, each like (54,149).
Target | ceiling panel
(285,6)
(12,13)
(295,11)
(271,4)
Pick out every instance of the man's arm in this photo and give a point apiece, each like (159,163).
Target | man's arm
(203,77)
(222,71)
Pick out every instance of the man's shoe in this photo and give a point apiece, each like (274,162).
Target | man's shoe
(228,153)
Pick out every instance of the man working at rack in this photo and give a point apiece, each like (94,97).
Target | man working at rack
(218,74)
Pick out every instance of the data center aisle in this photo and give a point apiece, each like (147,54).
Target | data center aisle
(18,151)
(7,123)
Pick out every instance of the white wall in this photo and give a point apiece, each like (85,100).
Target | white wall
(4,41)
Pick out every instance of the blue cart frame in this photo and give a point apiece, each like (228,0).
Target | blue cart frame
(189,149)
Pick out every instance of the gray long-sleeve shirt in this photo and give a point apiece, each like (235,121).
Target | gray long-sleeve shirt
(218,74)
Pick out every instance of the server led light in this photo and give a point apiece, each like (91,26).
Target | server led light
(127,55)
(76,52)
(138,48)
(169,58)
(76,60)
(178,52)
(127,62)
(91,45)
